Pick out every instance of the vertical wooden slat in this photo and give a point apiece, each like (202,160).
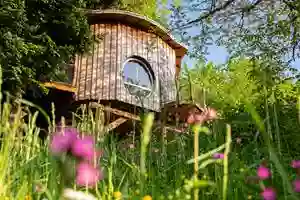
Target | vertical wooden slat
(104,63)
(119,61)
(113,58)
(88,77)
(75,72)
(143,52)
(128,47)
(123,43)
(75,78)
(159,73)
(79,75)
(164,59)
(92,84)
(81,78)
(135,48)
(167,71)
(165,68)
(95,74)
(130,51)
(101,54)
(106,67)
(109,67)
(173,69)
(171,66)
(86,72)
(148,56)
(139,45)
(124,56)
(161,62)
(155,67)
(116,60)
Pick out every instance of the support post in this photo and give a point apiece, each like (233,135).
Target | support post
(115,124)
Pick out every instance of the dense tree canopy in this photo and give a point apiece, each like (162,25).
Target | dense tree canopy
(39,37)
(241,82)
(259,28)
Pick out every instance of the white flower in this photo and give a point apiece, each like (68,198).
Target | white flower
(70,194)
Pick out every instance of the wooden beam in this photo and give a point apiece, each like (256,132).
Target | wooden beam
(115,124)
(60,86)
(115,111)
(128,115)
(174,129)
(165,127)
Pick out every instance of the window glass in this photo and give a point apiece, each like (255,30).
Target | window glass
(137,77)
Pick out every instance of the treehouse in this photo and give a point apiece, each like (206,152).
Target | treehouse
(131,68)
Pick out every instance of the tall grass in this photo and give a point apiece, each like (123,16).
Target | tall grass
(25,165)
(162,170)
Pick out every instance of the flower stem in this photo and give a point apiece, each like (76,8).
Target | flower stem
(196,155)
(225,161)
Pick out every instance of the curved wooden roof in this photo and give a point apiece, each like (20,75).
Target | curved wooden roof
(138,21)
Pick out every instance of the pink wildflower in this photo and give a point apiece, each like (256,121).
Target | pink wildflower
(211,114)
(218,156)
(296,185)
(87,175)
(200,118)
(197,118)
(296,164)
(191,119)
(268,194)
(263,172)
(62,141)
(85,148)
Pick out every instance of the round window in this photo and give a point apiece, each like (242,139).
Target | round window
(138,77)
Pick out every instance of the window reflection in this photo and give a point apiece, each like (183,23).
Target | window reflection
(137,77)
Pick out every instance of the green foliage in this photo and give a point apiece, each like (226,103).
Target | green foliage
(231,87)
(39,38)
(154,9)
(255,96)
(28,170)
(222,86)
(263,29)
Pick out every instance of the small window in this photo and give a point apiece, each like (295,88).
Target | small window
(138,77)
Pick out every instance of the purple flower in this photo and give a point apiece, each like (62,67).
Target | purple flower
(87,175)
(268,194)
(218,156)
(296,185)
(263,172)
(62,141)
(84,148)
(296,164)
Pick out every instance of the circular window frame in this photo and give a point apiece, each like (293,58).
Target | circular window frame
(147,67)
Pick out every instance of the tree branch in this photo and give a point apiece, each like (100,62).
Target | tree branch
(290,5)
(210,13)
(250,7)
(217,9)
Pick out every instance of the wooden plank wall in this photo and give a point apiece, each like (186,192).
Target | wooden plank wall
(98,74)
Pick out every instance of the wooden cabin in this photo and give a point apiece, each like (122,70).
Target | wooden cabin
(133,66)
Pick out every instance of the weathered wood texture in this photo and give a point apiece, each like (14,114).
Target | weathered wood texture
(98,75)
